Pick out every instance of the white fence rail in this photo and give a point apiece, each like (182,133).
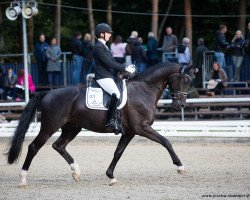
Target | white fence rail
(240,128)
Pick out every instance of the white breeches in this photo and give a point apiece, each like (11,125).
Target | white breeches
(108,84)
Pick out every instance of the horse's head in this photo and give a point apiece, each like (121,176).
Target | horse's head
(179,84)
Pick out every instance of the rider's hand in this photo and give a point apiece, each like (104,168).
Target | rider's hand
(130,69)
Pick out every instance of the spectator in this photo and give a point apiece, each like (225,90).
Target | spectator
(170,43)
(129,47)
(247,37)
(53,54)
(88,60)
(238,53)
(118,49)
(10,85)
(21,84)
(221,46)
(139,56)
(152,49)
(218,80)
(183,53)
(76,47)
(2,82)
(40,54)
(198,61)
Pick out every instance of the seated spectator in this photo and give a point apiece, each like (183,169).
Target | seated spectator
(2,82)
(183,53)
(238,53)
(139,56)
(88,60)
(53,54)
(10,85)
(21,86)
(152,49)
(218,80)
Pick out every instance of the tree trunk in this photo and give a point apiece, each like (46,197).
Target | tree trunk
(154,21)
(109,13)
(57,30)
(165,18)
(188,22)
(242,19)
(1,29)
(30,34)
(91,20)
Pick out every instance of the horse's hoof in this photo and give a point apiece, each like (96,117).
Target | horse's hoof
(76,176)
(113,182)
(181,170)
(23,185)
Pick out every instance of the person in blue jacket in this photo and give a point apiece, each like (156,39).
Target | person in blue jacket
(40,55)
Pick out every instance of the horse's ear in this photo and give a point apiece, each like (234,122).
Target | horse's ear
(182,69)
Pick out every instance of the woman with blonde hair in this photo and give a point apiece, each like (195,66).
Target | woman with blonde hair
(238,53)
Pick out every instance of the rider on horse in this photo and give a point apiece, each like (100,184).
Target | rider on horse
(104,75)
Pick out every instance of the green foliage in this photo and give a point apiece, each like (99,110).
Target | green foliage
(76,20)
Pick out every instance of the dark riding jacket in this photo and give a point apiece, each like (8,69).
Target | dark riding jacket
(105,63)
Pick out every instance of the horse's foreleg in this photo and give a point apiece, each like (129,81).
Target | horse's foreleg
(151,134)
(123,143)
(60,146)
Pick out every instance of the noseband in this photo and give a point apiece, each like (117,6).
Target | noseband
(177,95)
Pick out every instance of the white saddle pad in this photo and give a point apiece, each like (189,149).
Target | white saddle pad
(94,98)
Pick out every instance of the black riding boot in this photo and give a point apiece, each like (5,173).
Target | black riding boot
(112,122)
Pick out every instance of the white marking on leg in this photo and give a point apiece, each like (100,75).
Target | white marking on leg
(113,182)
(23,177)
(181,169)
(76,171)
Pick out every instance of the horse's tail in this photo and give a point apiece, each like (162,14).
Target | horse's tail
(16,142)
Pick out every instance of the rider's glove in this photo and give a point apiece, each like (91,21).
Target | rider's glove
(130,69)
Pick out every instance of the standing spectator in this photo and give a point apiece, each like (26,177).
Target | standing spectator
(21,84)
(170,43)
(198,61)
(183,52)
(88,60)
(40,54)
(218,80)
(10,85)
(76,47)
(139,56)
(221,46)
(238,53)
(129,47)
(247,37)
(118,49)
(53,54)
(152,49)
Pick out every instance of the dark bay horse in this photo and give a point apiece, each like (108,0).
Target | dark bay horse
(65,108)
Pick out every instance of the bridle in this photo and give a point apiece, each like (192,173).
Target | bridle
(175,95)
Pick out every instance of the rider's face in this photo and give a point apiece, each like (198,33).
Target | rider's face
(107,36)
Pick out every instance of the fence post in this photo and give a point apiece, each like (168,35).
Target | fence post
(182,114)
(64,70)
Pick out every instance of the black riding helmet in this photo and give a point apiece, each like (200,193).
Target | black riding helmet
(102,28)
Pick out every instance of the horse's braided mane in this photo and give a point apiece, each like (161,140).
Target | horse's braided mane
(153,68)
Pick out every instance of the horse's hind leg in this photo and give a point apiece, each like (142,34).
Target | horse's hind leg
(123,143)
(68,134)
(150,133)
(33,148)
